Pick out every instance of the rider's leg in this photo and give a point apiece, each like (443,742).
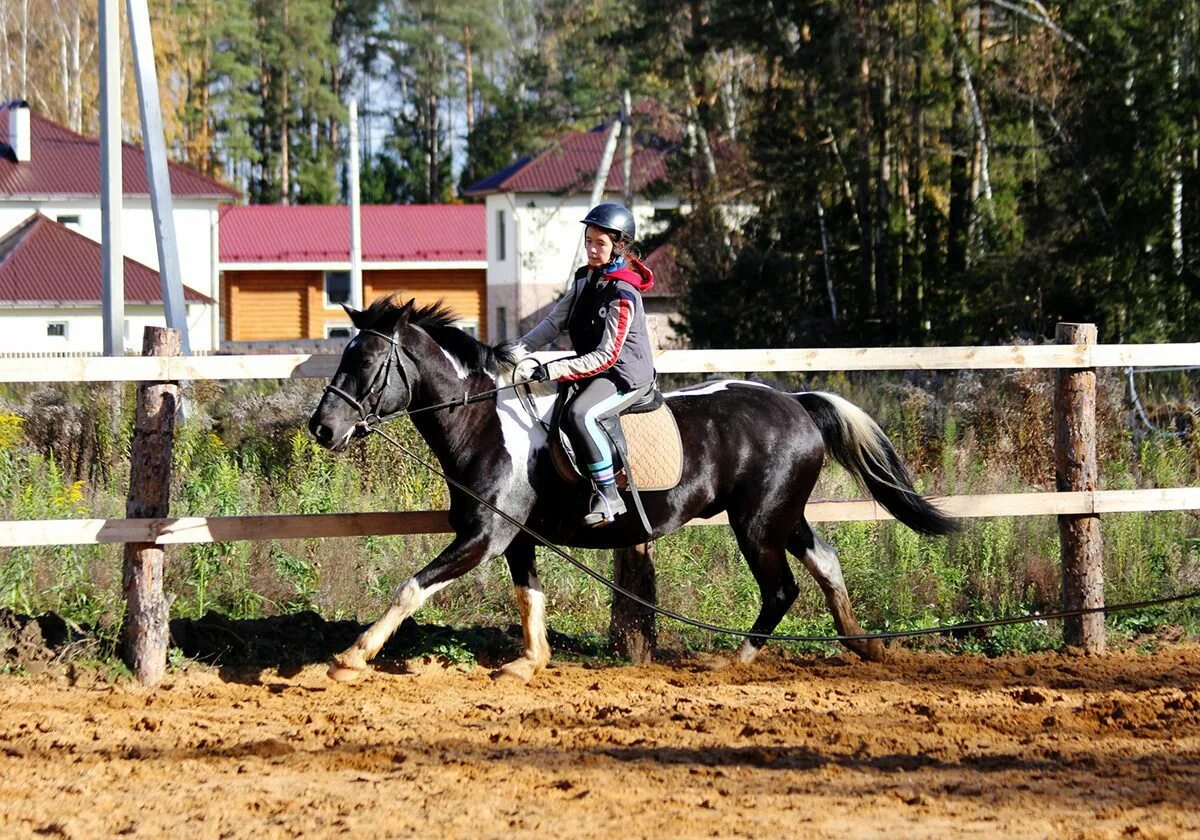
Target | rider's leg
(592,449)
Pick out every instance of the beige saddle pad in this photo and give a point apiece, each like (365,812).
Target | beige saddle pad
(655,451)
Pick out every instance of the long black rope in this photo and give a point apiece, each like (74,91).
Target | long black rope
(777,637)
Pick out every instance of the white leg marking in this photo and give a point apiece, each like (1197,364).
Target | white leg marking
(747,652)
(822,561)
(532,603)
(408,599)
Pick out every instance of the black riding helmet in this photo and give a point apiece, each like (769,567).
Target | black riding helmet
(613,217)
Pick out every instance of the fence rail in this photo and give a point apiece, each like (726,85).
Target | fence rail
(213,529)
(301,366)
(1077,505)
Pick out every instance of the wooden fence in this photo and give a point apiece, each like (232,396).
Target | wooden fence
(1072,503)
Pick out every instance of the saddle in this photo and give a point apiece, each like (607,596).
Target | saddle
(647,449)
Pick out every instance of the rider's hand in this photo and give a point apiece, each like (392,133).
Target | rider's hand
(528,370)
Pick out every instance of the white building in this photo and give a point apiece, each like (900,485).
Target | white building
(533,232)
(47,169)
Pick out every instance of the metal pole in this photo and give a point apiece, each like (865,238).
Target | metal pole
(606,159)
(356,279)
(112,267)
(627,132)
(156,168)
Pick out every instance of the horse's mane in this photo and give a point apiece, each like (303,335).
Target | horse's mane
(438,320)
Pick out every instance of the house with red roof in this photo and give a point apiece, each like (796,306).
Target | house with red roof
(50,281)
(285,271)
(49,291)
(533,231)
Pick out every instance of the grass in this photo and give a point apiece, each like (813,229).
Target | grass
(243,450)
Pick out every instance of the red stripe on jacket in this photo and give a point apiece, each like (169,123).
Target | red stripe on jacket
(623,322)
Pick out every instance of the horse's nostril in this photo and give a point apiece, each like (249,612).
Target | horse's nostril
(322,433)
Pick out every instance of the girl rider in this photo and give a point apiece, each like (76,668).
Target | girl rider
(613,365)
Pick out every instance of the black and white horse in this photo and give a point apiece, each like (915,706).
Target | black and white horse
(748,449)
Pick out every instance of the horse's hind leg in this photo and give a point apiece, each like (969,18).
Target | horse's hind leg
(776,585)
(821,560)
(532,603)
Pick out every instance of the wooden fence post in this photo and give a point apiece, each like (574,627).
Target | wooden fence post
(632,631)
(147,609)
(1075,470)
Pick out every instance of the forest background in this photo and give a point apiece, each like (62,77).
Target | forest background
(916,172)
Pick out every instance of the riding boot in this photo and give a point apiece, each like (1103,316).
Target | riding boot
(607,505)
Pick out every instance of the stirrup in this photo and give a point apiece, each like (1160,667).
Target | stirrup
(604,510)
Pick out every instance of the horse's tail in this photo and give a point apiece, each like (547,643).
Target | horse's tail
(858,444)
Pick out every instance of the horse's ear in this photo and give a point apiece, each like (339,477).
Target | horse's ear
(356,316)
(406,312)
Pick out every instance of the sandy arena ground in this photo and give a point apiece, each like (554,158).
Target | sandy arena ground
(924,746)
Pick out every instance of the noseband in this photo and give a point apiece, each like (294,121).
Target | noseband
(379,384)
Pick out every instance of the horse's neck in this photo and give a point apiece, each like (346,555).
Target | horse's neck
(447,430)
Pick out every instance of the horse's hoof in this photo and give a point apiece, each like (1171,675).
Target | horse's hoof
(521,671)
(342,674)
(712,662)
(873,651)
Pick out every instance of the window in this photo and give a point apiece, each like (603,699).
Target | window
(56,329)
(337,331)
(501,250)
(502,323)
(337,287)
(72,219)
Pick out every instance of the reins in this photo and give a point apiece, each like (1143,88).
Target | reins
(370,420)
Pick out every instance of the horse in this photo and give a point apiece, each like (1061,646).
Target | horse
(748,449)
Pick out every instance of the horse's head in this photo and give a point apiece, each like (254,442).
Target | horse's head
(374,379)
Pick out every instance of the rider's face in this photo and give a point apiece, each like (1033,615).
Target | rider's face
(599,246)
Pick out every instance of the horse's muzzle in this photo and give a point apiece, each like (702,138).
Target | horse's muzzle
(327,437)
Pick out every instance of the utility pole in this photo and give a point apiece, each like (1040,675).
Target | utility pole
(356,281)
(606,159)
(157,173)
(112,267)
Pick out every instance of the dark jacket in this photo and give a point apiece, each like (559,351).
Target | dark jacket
(604,315)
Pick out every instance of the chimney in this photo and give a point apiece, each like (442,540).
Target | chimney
(18,130)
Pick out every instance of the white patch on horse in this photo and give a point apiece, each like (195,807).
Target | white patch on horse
(459,370)
(822,561)
(712,388)
(523,435)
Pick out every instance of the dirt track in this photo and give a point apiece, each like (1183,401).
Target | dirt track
(927,745)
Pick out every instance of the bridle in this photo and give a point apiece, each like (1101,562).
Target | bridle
(369,419)
(379,384)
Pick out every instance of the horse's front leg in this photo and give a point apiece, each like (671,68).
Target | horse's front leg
(532,603)
(461,556)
